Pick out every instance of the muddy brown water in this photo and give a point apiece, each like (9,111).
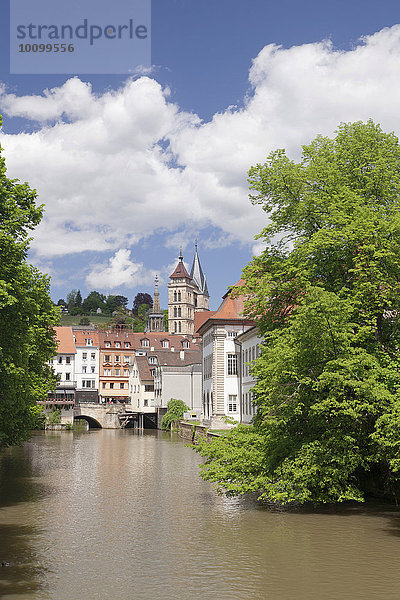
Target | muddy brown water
(110,515)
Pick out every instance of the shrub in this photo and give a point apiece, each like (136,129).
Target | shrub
(175,411)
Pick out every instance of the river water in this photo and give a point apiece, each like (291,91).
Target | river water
(110,515)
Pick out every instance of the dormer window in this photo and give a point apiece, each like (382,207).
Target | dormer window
(108,344)
(152,360)
(185,344)
(145,343)
(118,344)
(127,344)
(165,344)
(89,342)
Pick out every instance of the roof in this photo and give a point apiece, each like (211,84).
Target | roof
(65,340)
(144,368)
(231,309)
(180,269)
(179,359)
(155,340)
(197,274)
(82,336)
(201,317)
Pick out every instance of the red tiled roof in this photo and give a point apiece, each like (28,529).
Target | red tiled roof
(144,368)
(82,336)
(201,317)
(180,271)
(230,309)
(155,340)
(65,340)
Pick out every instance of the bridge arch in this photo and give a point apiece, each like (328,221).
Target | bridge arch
(93,423)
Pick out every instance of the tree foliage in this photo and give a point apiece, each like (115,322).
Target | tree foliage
(26,315)
(175,411)
(141,298)
(326,296)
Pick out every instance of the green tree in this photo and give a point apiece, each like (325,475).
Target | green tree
(26,315)
(78,299)
(115,302)
(93,301)
(140,299)
(175,410)
(325,294)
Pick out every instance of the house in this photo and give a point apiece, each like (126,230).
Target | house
(86,365)
(248,348)
(221,386)
(177,375)
(64,366)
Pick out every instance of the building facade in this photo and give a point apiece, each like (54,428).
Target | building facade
(221,385)
(86,365)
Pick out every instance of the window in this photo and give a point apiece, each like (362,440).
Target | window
(92,369)
(145,402)
(145,343)
(117,371)
(84,355)
(185,344)
(126,372)
(165,343)
(107,372)
(108,344)
(175,312)
(67,377)
(174,296)
(127,344)
(122,386)
(84,369)
(232,403)
(175,327)
(88,383)
(68,360)
(232,364)
(232,334)
(107,358)
(111,386)
(93,356)
(89,342)
(152,360)
(179,312)
(149,388)
(179,327)
(59,360)
(104,385)
(127,359)
(179,296)
(118,344)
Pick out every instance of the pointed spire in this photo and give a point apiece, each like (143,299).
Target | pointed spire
(180,254)
(196,273)
(180,269)
(156,303)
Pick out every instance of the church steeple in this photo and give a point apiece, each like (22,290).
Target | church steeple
(155,320)
(197,274)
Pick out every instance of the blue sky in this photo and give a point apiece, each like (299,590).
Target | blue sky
(131,168)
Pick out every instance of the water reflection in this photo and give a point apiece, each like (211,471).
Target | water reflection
(113,514)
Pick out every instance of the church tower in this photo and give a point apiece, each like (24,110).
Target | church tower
(187,294)
(155,320)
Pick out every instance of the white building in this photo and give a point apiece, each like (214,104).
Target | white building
(177,375)
(86,365)
(221,389)
(248,347)
(64,366)
(141,384)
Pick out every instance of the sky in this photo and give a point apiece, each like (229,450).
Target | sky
(132,167)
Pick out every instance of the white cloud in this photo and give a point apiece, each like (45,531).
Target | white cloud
(114,168)
(120,270)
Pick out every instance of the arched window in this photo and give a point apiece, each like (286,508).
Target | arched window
(175,326)
(174,296)
(175,313)
(179,325)
(179,312)
(179,296)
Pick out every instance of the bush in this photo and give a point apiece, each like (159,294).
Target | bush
(84,321)
(55,416)
(175,411)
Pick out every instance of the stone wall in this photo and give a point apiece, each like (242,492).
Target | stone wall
(191,432)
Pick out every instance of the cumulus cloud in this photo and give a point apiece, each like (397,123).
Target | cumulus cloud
(120,270)
(116,167)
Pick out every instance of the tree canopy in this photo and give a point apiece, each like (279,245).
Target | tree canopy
(26,315)
(141,298)
(325,294)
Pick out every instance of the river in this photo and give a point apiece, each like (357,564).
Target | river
(110,515)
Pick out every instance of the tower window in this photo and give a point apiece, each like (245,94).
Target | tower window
(179,312)
(175,313)
(174,296)
(179,296)
(179,325)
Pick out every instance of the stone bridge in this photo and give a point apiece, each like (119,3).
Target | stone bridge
(106,416)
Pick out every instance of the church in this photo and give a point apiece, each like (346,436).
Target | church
(187,294)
